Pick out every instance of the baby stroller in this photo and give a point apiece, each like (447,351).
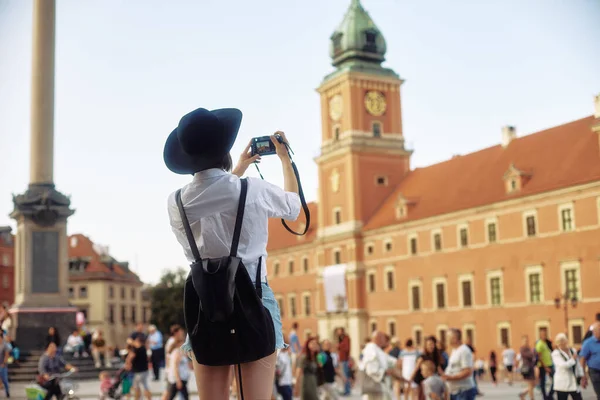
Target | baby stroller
(116,392)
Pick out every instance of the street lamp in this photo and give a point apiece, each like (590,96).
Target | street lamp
(565,299)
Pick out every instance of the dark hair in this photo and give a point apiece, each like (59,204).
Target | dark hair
(598,317)
(295,325)
(226,164)
(436,354)
(307,353)
(493,355)
(174,328)
(409,343)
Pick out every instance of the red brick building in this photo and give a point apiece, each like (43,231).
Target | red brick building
(7,265)
(485,242)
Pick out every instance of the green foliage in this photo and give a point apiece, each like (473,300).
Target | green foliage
(167,300)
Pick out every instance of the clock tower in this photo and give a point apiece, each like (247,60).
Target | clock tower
(363,156)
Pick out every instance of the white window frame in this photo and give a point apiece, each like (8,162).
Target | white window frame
(531,213)
(392,269)
(418,283)
(545,323)
(290,297)
(458,229)
(387,241)
(368,280)
(414,330)
(304,296)
(466,278)
(409,247)
(464,332)
(499,327)
(563,284)
(433,233)
(488,279)
(576,322)
(488,222)
(566,206)
(388,323)
(434,283)
(531,270)
(372,246)
(335,211)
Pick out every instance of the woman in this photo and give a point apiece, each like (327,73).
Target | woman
(100,349)
(568,370)
(307,371)
(139,368)
(53,337)
(527,367)
(431,353)
(408,360)
(493,363)
(200,146)
(179,367)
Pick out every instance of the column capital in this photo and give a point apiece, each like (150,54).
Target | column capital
(43,204)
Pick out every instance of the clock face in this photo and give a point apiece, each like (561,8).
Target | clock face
(335,107)
(375,103)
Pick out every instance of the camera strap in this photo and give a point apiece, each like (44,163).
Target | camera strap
(300,193)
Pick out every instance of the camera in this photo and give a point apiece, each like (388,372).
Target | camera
(263,145)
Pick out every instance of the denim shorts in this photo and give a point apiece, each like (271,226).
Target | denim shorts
(268,300)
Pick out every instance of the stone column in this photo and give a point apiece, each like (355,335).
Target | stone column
(41,257)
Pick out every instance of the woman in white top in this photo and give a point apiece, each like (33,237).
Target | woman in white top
(179,367)
(568,370)
(200,146)
(377,364)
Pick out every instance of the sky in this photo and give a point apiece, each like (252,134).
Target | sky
(127,70)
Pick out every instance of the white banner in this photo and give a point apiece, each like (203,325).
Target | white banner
(334,283)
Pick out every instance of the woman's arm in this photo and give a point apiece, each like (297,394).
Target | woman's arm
(559,361)
(298,385)
(175,366)
(372,366)
(417,367)
(290,184)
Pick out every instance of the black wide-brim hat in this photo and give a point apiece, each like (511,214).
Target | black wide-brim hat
(202,139)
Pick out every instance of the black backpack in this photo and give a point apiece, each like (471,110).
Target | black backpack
(224,315)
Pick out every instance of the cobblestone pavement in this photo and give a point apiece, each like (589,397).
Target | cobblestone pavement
(89,390)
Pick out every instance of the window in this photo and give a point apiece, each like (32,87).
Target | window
(371,281)
(5,260)
(373,326)
(571,279)
(503,334)
(439,286)
(437,241)
(442,329)
(370,249)
(530,223)
(566,218)
(376,129)
(83,292)
(469,334)
(276,268)
(389,278)
(133,316)
(111,314)
(111,292)
(291,267)
(337,43)
(392,328)
(413,245)
(132,294)
(495,291)
(418,334)
(293,306)
(491,229)
(123,314)
(467,293)
(305,265)
(571,283)
(464,237)
(415,293)
(5,281)
(122,293)
(71,293)
(73,241)
(337,216)
(370,38)
(280,304)
(577,334)
(306,300)
(337,257)
(381,181)
(336,133)
(388,246)
(534,288)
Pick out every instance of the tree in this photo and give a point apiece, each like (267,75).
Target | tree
(166,300)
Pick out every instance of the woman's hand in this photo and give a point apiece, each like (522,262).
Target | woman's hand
(280,148)
(246,158)
(179,384)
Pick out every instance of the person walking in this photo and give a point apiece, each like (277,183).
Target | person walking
(344,355)
(459,372)
(568,371)
(330,371)
(203,216)
(493,364)
(284,374)
(179,368)
(139,368)
(408,362)
(508,360)
(4,354)
(375,366)
(527,359)
(307,371)
(155,342)
(295,346)
(590,357)
(545,365)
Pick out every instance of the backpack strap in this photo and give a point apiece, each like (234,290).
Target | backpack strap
(186,226)
(240,217)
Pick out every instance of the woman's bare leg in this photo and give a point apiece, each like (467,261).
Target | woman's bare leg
(257,378)
(212,382)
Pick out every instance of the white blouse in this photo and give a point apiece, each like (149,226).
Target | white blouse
(564,379)
(211,202)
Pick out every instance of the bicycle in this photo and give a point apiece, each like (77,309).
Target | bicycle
(67,387)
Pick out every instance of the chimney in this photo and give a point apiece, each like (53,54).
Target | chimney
(509,133)
(597,106)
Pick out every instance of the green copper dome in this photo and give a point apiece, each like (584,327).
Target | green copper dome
(357,39)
